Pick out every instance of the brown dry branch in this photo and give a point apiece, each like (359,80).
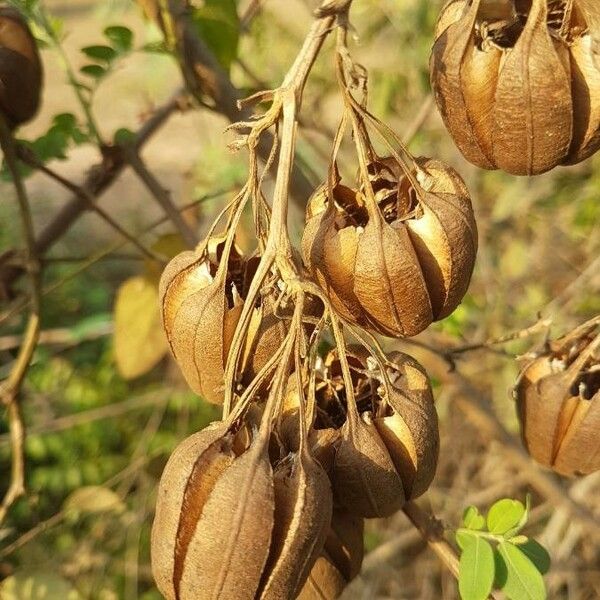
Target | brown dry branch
(11,387)
(204,78)
(26,156)
(99,179)
(161,195)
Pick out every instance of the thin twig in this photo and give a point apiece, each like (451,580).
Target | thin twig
(10,389)
(162,196)
(81,192)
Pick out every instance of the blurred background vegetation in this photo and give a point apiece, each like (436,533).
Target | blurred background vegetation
(103,414)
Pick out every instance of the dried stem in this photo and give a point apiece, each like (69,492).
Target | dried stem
(161,195)
(10,389)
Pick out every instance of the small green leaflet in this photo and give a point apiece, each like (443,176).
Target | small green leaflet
(476,570)
(217,23)
(516,575)
(537,554)
(102,53)
(472,519)
(120,37)
(504,516)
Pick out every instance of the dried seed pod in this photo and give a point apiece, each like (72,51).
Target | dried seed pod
(516,83)
(186,483)
(303,505)
(229,549)
(397,267)
(558,400)
(20,68)
(365,478)
(390,455)
(214,518)
(340,560)
(410,429)
(202,295)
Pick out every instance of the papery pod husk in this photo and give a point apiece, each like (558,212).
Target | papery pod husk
(585,81)
(389,282)
(229,549)
(200,322)
(529,106)
(444,237)
(533,108)
(559,429)
(330,253)
(303,506)
(411,433)
(341,558)
(187,481)
(365,480)
(453,45)
(356,267)
(324,582)
(20,68)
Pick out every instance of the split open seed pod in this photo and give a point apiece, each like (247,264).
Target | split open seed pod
(399,265)
(340,559)
(20,68)
(303,506)
(558,401)
(202,294)
(214,518)
(408,424)
(389,448)
(516,83)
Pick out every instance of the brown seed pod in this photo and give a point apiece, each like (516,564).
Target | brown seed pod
(389,454)
(214,518)
(558,401)
(303,505)
(202,295)
(399,266)
(20,68)
(410,429)
(228,551)
(340,560)
(516,83)
(186,483)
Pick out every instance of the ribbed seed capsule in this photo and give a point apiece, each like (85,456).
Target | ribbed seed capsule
(303,505)
(20,68)
(558,400)
(516,82)
(399,266)
(229,549)
(186,483)
(202,295)
(410,429)
(340,560)
(389,454)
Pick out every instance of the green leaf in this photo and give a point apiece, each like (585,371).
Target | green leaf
(464,538)
(121,37)
(95,71)
(516,575)
(101,53)
(505,515)
(472,519)
(123,136)
(537,554)
(217,23)
(476,570)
